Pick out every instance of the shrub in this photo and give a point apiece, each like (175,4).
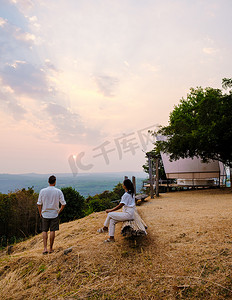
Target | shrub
(18,215)
(75,208)
(104,200)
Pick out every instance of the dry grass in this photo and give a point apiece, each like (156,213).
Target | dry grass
(186,255)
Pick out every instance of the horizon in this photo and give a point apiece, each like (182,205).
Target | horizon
(86,184)
(83,173)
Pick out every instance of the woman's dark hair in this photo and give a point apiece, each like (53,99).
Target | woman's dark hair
(129,186)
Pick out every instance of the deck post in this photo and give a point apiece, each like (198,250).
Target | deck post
(150,176)
(134,183)
(157,177)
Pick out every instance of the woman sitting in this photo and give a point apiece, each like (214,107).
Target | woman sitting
(127,203)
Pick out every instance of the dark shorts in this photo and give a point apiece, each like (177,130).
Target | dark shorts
(52,224)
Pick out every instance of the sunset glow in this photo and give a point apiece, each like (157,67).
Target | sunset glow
(79,75)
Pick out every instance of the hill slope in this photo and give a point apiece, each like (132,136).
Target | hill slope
(186,255)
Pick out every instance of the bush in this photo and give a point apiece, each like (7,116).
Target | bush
(75,208)
(98,203)
(104,200)
(18,215)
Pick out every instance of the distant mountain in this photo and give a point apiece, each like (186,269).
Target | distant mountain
(86,183)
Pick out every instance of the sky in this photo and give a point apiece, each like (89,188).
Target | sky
(82,82)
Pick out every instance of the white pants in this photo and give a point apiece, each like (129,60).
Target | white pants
(114,217)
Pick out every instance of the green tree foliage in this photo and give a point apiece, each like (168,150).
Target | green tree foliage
(200,126)
(104,200)
(75,208)
(118,191)
(227,83)
(18,215)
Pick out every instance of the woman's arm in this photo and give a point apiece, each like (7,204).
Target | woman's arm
(120,205)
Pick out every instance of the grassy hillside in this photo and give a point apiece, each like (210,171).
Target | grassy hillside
(187,254)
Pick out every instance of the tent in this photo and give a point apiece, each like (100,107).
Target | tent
(192,171)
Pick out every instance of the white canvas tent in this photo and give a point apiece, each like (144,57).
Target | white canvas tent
(188,168)
(191,170)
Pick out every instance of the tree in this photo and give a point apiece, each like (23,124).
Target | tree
(155,154)
(227,83)
(118,191)
(75,206)
(201,126)
(19,216)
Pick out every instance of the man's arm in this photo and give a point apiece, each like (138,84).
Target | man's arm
(40,209)
(61,208)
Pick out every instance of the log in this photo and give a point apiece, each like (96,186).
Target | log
(136,227)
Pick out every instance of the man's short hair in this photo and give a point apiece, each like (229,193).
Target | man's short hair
(52,179)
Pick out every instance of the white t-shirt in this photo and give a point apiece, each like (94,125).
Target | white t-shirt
(128,200)
(50,198)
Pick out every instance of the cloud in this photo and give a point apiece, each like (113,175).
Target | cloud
(150,67)
(11,33)
(50,65)
(17,110)
(23,5)
(210,50)
(26,79)
(24,36)
(68,126)
(2,22)
(126,63)
(106,84)
(11,105)
(57,111)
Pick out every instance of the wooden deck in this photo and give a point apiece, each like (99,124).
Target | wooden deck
(174,186)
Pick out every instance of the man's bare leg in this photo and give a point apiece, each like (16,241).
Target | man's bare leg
(52,238)
(45,240)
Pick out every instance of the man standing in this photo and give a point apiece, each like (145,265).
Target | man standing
(48,205)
